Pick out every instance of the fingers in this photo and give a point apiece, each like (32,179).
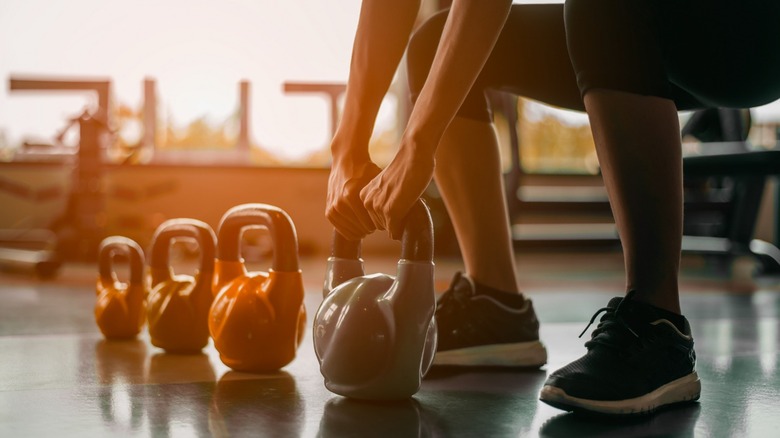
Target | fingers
(396,229)
(349,217)
(344,207)
(344,227)
(374,208)
(342,217)
(354,204)
(384,214)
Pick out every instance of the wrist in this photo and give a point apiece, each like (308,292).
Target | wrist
(350,142)
(348,154)
(421,142)
(425,128)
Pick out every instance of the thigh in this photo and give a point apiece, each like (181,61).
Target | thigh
(614,45)
(722,52)
(529,59)
(699,53)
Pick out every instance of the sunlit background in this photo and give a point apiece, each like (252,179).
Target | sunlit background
(197,51)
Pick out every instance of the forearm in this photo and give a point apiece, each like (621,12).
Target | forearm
(471,31)
(380,41)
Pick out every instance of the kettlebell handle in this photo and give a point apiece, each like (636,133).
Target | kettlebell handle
(274,219)
(182,227)
(416,241)
(343,248)
(113,246)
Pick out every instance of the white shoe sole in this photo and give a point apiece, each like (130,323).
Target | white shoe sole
(684,389)
(521,354)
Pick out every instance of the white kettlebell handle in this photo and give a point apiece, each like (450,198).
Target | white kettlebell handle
(345,262)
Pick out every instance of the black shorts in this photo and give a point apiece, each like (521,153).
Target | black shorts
(698,53)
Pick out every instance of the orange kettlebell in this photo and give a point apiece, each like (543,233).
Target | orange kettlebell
(179,304)
(120,310)
(257,318)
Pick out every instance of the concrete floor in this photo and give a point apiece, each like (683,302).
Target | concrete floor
(58,377)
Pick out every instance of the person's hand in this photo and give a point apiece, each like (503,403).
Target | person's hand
(389,197)
(344,208)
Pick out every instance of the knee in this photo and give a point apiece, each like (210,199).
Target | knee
(421,51)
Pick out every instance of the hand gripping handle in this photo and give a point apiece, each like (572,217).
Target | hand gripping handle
(416,241)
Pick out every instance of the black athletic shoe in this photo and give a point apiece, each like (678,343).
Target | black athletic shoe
(637,361)
(478,326)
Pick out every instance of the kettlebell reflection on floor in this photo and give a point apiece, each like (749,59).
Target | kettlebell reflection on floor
(121,369)
(352,417)
(168,390)
(168,368)
(179,389)
(256,405)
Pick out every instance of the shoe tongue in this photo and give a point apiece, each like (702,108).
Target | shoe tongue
(637,310)
(462,284)
(614,302)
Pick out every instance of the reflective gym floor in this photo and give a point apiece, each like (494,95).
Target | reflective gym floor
(59,378)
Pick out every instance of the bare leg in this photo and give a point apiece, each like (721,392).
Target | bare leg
(638,144)
(468,174)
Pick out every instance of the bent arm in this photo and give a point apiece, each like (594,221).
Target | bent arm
(382,34)
(471,31)
(468,38)
(380,41)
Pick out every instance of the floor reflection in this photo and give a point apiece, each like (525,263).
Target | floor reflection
(482,401)
(737,348)
(121,367)
(120,361)
(347,417)
(180,368)
(174,406)
(169,393)
(741,399)
(452,402)
(675,421)
(256,405)
(59,378)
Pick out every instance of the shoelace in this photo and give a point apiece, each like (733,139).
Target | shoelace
(612,317)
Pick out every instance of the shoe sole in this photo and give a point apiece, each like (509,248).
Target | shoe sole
(684,389)
(521,354)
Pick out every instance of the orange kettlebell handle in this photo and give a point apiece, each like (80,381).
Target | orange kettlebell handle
(114,246)
(278,223)
(177,228)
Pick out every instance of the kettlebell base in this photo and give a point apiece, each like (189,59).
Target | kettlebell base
(176,349)
(243,367)
(371,394)
(120,336)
